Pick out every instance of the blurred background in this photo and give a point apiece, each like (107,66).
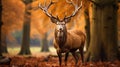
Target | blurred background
(27,30)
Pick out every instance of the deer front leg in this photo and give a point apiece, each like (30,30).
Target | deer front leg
(76,58)
(81,53)
(60,57)
(66,57)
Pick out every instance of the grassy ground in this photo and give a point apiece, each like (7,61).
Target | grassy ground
(36,51)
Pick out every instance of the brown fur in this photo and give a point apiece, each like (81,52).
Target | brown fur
(75,40)
(64,41)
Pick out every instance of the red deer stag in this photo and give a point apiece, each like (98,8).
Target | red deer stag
(66,41)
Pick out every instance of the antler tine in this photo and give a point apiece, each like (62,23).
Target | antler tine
(45,8)
(50,3)
(76,8)
(44,2)
(68,1)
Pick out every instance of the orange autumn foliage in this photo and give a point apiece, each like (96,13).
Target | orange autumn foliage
(13,16)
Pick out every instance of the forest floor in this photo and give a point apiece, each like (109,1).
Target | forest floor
(48,59)
(52,61)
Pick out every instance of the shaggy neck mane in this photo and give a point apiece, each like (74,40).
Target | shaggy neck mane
(61,40)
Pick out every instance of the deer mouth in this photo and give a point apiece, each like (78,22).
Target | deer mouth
(60,34)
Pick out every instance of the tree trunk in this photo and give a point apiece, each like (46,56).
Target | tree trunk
(3,41)
(45,47)
(1,23)
(87,27)
(118,0)
(25,49)
(103,42)
(3,60)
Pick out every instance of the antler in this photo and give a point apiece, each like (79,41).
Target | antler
(76,9)
(46,7)
(54,19)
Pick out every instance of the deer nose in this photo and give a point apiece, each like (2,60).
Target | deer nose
(60,29)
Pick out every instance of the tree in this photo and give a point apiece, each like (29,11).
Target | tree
(103,28)
(0,24)
(3,41)
(87,23)
(12,20)
(25,49)
(45,47)
(3,60)
(118,0)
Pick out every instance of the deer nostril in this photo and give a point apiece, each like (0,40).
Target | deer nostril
(60,29)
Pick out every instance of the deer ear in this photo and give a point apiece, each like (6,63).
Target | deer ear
(67,20)
(54,20)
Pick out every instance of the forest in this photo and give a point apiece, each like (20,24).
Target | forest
(47,33)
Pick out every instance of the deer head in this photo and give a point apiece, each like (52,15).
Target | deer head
(60,30)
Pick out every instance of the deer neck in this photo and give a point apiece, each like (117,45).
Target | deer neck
(61,37)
